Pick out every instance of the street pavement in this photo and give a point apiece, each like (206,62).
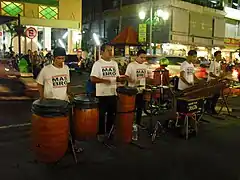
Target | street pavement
(213,154)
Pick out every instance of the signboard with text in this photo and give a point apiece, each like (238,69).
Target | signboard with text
(142,33)
(232,41)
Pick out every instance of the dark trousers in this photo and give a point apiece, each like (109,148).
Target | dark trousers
(212,102)
(107,104)
(36,71)
(139,108)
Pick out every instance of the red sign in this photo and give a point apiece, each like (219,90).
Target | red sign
(31,33)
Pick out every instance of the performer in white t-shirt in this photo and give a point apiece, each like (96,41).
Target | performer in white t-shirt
(214,73)
(187,74)
(53,83)
(105,74)
(136,74)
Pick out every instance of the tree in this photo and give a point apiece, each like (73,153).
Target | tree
(14,31)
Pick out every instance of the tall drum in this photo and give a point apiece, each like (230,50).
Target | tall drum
(50,128)
(86,117)
(125,113)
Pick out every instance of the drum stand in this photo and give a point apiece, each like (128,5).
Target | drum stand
(111,133)
(73,149)
(158,124)
(70,136)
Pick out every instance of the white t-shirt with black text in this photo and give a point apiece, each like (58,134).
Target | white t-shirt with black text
(106,70)
(55,81)
(138,73)
(188,69)
(215,68)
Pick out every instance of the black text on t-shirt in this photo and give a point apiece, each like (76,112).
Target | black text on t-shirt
(109,71)
(141,73)
(59,81)
(189,70)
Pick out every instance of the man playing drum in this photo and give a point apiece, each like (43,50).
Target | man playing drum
(53,83)
(105,74)
(136,74)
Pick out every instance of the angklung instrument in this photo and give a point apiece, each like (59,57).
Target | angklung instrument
(200,92)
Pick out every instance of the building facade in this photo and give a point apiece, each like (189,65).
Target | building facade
(232,29)
(58,22)
(205,25)
(198,26)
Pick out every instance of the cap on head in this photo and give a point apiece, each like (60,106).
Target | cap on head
(59,51)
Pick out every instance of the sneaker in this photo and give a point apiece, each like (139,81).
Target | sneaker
(101,138)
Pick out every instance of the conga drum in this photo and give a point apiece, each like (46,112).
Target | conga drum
(50,128)
(86,117)
(125,113)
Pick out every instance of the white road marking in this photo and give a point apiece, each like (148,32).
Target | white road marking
(15,126)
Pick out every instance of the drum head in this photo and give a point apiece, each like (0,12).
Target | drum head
(127,90)
(85,99)
(50,107)
(85,102)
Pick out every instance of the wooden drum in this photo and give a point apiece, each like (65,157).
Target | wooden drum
(50,129)
(86,117)
(125,113)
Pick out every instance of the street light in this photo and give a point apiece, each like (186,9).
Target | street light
(98,43)
(142,15)
(163,14)
(159,13)
(96,39)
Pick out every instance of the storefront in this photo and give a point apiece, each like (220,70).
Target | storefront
(56,25)
(230,52)
(174,49)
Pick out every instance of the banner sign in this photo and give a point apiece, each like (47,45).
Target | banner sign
(142,33)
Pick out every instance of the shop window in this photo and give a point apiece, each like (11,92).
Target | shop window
(11,8)
(47,12)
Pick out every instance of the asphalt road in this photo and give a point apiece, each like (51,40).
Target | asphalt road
(213,154)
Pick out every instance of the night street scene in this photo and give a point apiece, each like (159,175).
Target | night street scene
(120,89)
